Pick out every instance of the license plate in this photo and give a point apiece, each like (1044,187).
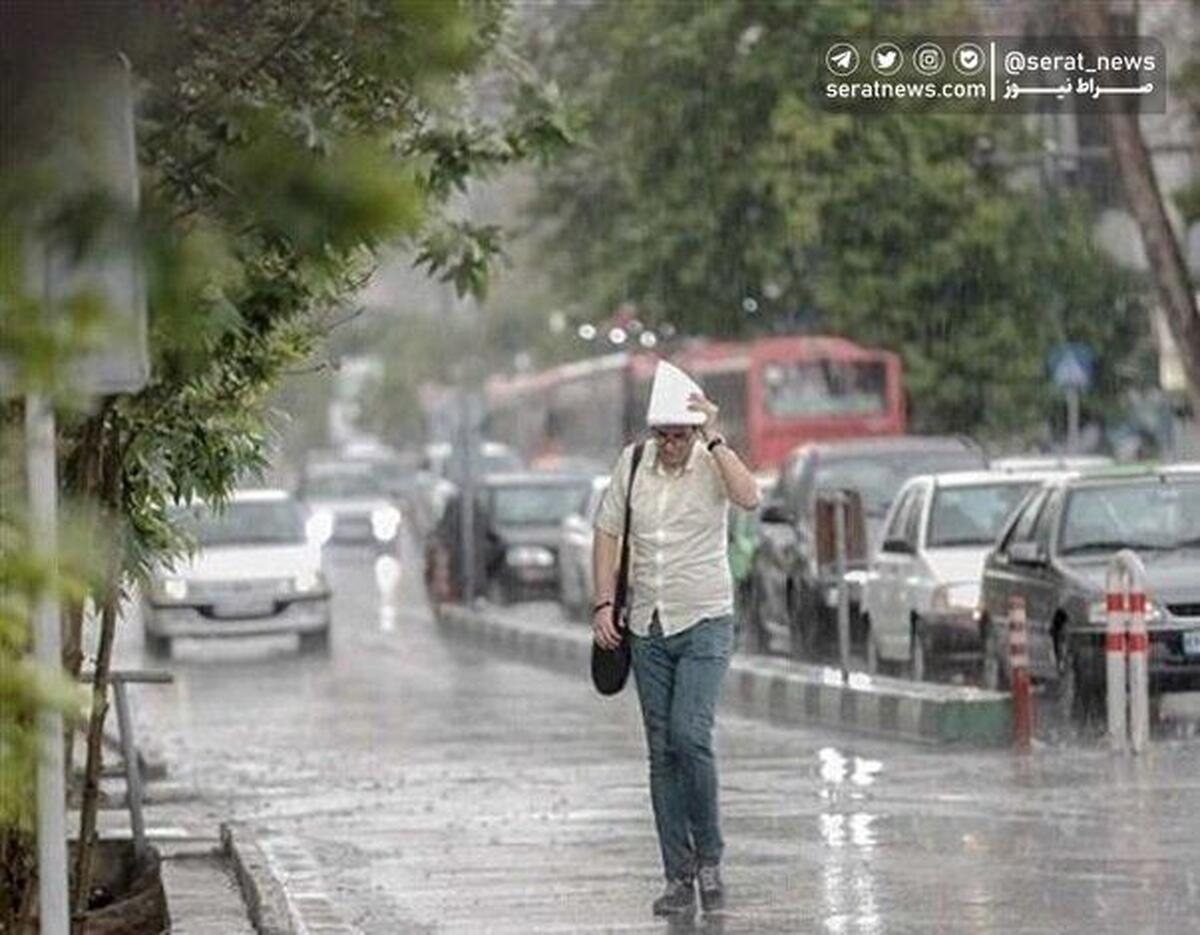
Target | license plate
(1191,643)
(244,608)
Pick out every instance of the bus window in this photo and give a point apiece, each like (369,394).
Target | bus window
(728,391)
(824,388)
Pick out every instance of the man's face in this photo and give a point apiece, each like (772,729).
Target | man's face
(674,444)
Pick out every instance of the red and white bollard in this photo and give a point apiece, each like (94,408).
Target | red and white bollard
(1137,648)
(1126,649)
(1018,667)
(1114,659)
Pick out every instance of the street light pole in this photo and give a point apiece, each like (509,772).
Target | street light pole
(47,648)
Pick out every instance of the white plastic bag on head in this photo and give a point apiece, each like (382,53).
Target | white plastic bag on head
(669,398)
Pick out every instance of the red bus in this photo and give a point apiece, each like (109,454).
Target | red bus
(774,394)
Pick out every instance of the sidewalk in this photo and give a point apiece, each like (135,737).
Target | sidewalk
(772,688)
(203,895)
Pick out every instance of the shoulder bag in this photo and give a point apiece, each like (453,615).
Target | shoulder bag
(610,667)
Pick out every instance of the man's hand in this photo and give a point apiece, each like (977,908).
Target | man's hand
(604,629)
(698,403)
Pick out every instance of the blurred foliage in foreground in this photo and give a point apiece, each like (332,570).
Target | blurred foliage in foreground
(714,192)
(279,148)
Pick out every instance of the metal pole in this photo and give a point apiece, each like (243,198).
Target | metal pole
(1138,647)
(1018,666)
(1072,420)
(133,769)
(466,441)
(47,648)
(1114,656)
(840,505)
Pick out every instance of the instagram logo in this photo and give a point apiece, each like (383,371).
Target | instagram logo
(929,59)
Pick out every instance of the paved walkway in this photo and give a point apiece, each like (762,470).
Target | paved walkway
(203,895)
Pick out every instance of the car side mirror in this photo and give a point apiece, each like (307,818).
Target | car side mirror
(1026,553)
(899,546)
(775,513)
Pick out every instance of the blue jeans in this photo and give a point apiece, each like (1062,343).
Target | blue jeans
(679,682)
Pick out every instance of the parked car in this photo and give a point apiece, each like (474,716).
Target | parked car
(1016,463)
(575,585)
(1054,553)
(524,514)
(257,570)
(438,478)
(794,595)
(921,597)
(348,501)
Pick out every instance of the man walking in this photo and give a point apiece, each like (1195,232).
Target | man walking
(680,618)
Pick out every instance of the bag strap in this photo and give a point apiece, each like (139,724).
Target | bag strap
(622,590)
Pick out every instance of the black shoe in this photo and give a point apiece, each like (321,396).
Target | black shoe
(712,891)
(677,898)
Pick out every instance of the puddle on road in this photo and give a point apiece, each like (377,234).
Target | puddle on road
(837,769)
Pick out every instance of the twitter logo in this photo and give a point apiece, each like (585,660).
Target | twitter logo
(886,58)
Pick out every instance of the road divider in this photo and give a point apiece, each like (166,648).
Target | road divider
(773,688)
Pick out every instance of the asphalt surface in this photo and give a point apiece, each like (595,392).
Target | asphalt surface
(426,785)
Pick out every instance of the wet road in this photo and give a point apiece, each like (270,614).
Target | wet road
(427,785)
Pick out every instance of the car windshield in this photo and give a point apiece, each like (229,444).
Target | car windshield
(1152,515)
(972,515)
(879,476)
(267,522)
(342,484)
(527,505)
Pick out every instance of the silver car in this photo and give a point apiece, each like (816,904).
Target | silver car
(575,588)
(257,571)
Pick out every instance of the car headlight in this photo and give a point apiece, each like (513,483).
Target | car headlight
(307,581)
(1098,612)
(529,555)
(385,520)
(319,527)
(175,589)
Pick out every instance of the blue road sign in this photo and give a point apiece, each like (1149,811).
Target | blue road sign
(1071,366)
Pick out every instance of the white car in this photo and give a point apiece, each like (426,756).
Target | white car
(575,588)
(349,505)
(256,571)
(922,592)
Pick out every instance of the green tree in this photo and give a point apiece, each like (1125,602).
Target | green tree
(278,153)
(714,191)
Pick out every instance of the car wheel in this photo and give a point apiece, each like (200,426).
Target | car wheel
(755,639)
(872,649)
(918,655)
(806,627)
(1070,698)
(992,675)
(315,643)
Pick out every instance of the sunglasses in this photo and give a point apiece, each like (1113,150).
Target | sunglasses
(672,435)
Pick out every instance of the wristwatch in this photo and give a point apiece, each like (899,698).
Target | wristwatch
(715,442)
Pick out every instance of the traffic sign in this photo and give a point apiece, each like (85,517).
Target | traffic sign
(1071,366)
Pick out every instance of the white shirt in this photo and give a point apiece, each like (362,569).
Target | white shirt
(678,555)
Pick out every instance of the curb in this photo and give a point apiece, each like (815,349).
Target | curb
(782,690)
(261,891)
